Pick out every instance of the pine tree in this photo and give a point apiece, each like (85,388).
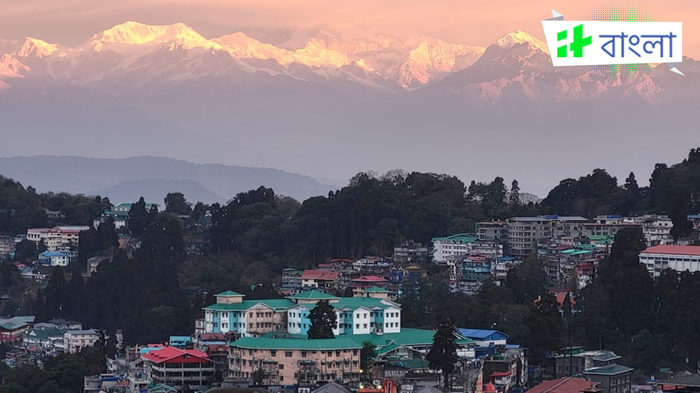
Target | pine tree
(323,321)
(514,194)
(443,353)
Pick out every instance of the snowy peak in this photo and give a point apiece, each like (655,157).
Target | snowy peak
(431,58)
(520,37)
(33,47)
(177,35)
(241,46)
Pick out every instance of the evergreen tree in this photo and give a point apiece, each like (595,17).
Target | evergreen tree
(176,203)
(323,320)
(138,218)
(515,194)
(443,354)
(367,355)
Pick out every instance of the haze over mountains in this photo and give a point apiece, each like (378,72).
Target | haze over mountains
(125,180)
(314,102)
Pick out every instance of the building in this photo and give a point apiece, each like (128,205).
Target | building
(321,279)
(360,284)
(485,338)
(565,385)
(179,368)
(119,218)
(232,314)
(291,279)
(678,258)
(491,231)
(214,345)
(180,342)
(455,245)
(289,361)
(355,315)
(506,369)
(7,246)
(126,207)
(13,329)
(524,233)
(57,258)
(56,237)
(45,338)
(576,361)
(75,340)
(613,378)
(411,252)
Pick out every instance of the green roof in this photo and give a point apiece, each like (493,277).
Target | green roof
(353,303)
(45,334)
(229,293)
(312,295)
(459,238)
(600,237)
(406,337)
(340,342)
(410,363)
(375,290)
(276,304)
(612,369)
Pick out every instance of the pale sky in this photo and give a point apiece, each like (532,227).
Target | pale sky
(458,21)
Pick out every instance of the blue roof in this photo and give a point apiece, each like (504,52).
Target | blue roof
(53,254)
(507,258)
(180,338)
(512,346)
(478,333)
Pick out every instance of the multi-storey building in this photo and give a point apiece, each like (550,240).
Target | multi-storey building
(455,245)
(356,315)
(7,245)
(289,361)
(524,233)
(411,252)
(232,314)
(491,231)
(179,368)
(321,279)
(291,279)
(678,258)
(75,340)
(56,237)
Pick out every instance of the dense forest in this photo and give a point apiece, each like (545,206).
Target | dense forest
(250,239)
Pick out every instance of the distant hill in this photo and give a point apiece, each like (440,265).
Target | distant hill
(153,177)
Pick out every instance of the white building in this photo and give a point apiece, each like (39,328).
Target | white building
(524,233)
(443,247)
(75,340)
(678,258)
(354,315)
(56,237)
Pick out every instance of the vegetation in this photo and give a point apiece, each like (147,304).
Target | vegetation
(443,354)
(367,356)
(323,320)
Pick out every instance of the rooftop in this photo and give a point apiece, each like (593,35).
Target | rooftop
(340,342)
(170,353)
(673,250)
(479,333)
(563,385)
(319,275)
(228,293)
(369,279)
(312,295)
(459,238)
(275,304)
(375,290)
(612,369)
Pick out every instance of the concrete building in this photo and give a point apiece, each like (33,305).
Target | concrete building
(355,315)
(678,258)
(614,378)
(289,361)
(411,252)
(232,314)
(491,231)
(179,368)
(524,233)
(75,340)
(455,245)
(56,237)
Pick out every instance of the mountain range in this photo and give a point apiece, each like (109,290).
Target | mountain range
(316,102)
(126,180)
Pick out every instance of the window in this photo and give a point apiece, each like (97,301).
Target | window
(281,366)
(354,352)
(303,354)
(357,326)
(273,353)
(365,326)
(337,353)
(365,316)
(281,378)
(288,354)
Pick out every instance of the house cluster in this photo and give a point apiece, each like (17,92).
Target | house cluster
(356,276)
(120,214)
(571,246)
(39,342)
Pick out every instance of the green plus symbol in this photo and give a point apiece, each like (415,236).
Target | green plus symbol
(579,42)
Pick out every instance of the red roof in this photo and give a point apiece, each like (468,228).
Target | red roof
(123,383)
(342,260)
(319,275)
(489,387)
(562,385)
(174,355)
(613,225)
(677,250)
(369,279)
(500,374)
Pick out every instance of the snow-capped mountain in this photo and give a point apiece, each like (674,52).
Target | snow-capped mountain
(133,54)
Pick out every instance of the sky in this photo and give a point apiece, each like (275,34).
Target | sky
(71,22)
